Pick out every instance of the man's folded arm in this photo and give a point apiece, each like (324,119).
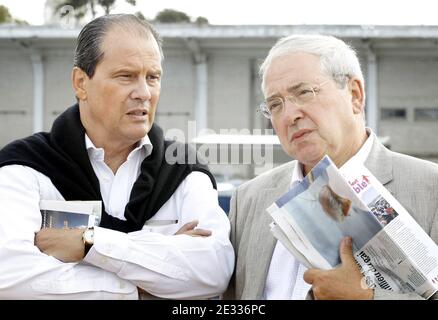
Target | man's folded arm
(168,265)
(26,272)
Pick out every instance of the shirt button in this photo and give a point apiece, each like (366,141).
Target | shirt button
(104,260)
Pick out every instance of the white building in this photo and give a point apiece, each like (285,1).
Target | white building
(211,76)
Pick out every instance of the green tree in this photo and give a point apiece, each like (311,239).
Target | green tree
(201,21)
(20,22)
(6,17)
(171,16)
(107,5)
(140,15)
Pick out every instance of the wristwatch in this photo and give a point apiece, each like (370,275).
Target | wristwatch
(88,239)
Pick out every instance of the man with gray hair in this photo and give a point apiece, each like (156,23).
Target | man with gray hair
(315,98)
(106,147)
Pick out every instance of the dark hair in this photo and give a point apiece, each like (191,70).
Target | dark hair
(88,50)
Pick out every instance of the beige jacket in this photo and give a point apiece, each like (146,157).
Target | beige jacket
(413,182)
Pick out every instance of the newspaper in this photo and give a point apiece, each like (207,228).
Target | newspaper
(70,214)
(391,249)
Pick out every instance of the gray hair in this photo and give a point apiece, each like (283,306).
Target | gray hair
(337,59)
(88,52)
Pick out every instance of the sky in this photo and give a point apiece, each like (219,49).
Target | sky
(225,12)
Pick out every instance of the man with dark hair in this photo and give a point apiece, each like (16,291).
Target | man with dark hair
(107,148)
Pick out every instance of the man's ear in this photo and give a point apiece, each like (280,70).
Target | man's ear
(357,95)
(79,81)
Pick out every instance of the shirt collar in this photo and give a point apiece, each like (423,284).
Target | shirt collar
(361,156)
(99,153)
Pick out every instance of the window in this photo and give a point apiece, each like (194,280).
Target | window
(426,114)
(12,112)
(393,114)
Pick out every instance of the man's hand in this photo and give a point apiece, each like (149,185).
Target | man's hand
(343,283)
(63,244)
(189,229)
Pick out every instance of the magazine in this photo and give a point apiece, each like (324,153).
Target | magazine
(70,214)
(391,249)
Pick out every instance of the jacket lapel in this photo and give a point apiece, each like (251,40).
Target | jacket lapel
(265,245)
(379,162)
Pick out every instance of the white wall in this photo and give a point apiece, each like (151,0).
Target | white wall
(16,95)
(409,82)
(406,80)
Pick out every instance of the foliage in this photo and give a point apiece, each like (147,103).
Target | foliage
(6,17)
(107,5)
(201,21)
(175,16)
(140,15)
(171,16)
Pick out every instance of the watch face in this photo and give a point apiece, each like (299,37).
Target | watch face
(89,236)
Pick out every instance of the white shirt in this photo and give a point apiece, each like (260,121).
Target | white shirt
(154,259)
(285,275)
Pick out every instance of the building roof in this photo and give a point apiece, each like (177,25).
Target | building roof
(237,31)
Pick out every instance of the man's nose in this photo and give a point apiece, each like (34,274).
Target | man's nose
(141,91)
(291,111)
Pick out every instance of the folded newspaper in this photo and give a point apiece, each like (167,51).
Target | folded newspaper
(70,214)
(392,250)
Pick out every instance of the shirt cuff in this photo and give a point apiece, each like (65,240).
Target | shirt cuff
(107,244)
(116,252)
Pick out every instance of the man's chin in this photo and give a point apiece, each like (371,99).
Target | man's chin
(309,159)
(137,134)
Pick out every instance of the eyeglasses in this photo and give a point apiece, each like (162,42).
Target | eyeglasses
(305,94)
